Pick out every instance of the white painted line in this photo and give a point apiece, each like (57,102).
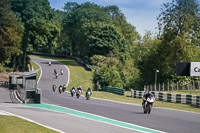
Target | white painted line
(68,76)
(17,97)
(11,114)
(55,61)
(4,113)
(40,70)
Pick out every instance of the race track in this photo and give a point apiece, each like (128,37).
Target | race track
(165,120)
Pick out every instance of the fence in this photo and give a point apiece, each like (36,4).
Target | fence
(173,86)
(168,97)
(4,84)
(114,90)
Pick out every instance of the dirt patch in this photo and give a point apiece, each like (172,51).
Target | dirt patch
(4,76)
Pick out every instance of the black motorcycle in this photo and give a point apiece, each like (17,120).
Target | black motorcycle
(73,92)
(88,95)
(78,93)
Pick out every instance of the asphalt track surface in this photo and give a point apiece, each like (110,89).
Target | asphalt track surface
(160,119)
(165,120)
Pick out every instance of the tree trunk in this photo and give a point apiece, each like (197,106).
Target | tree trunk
(24,61)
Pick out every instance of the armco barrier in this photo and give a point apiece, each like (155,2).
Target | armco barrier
(115,90)
(4,84)
(168,97)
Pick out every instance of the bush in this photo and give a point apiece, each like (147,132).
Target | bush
(1,67)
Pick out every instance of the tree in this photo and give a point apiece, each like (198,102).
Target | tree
(40,32)
(10,36)
(178,24)
(104,40)
(148,61)
(80,22)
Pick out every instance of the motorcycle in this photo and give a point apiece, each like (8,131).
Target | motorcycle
(60,89)
(148,104)
(73,92)
(54,88)
(78,93)
(56,75)
(88,94)
(63,88)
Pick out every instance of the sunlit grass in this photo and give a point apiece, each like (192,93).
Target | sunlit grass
(78,75)
(12,124)
(35,66)
(189,92)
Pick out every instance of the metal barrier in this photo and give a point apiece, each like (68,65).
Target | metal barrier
(168,97)
(4,84)
(115,90)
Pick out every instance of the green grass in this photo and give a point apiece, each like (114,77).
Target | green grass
(189,92)
(12,124)
(35,66)
(78,76)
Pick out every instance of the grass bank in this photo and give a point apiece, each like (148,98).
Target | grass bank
(12,124)
(189,92)
(35,66)
(79,76)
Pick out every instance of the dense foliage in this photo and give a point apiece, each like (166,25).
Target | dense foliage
(101,36)
(178,41)
(10,35)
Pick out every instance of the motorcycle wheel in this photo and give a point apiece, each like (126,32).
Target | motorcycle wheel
(145,111)
(88,97)
(149,108)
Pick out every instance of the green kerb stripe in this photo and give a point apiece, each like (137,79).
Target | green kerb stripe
(92,117)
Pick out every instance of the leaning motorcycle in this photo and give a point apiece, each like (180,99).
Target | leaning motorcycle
(148,104)
(78,93)
(73,92)
(60,90)
(54,88)
(88,94)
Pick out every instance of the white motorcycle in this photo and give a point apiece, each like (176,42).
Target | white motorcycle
(88,94)
(148,104)
(78,93)
(73,92)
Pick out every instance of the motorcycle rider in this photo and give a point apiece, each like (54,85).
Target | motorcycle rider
(55,72)
(54,87)
(56,75)
(63,88)
(49,63)
(89,89)
(72,89)
(146,94)
(79,88)
(60,89)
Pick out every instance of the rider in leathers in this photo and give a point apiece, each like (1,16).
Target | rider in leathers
(89,89)
(79,88)
(146,94)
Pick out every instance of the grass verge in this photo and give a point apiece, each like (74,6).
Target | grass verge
(78,76)
(12,124)
(188,92)
(35,66)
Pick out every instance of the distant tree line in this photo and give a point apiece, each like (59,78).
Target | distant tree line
(101,36)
